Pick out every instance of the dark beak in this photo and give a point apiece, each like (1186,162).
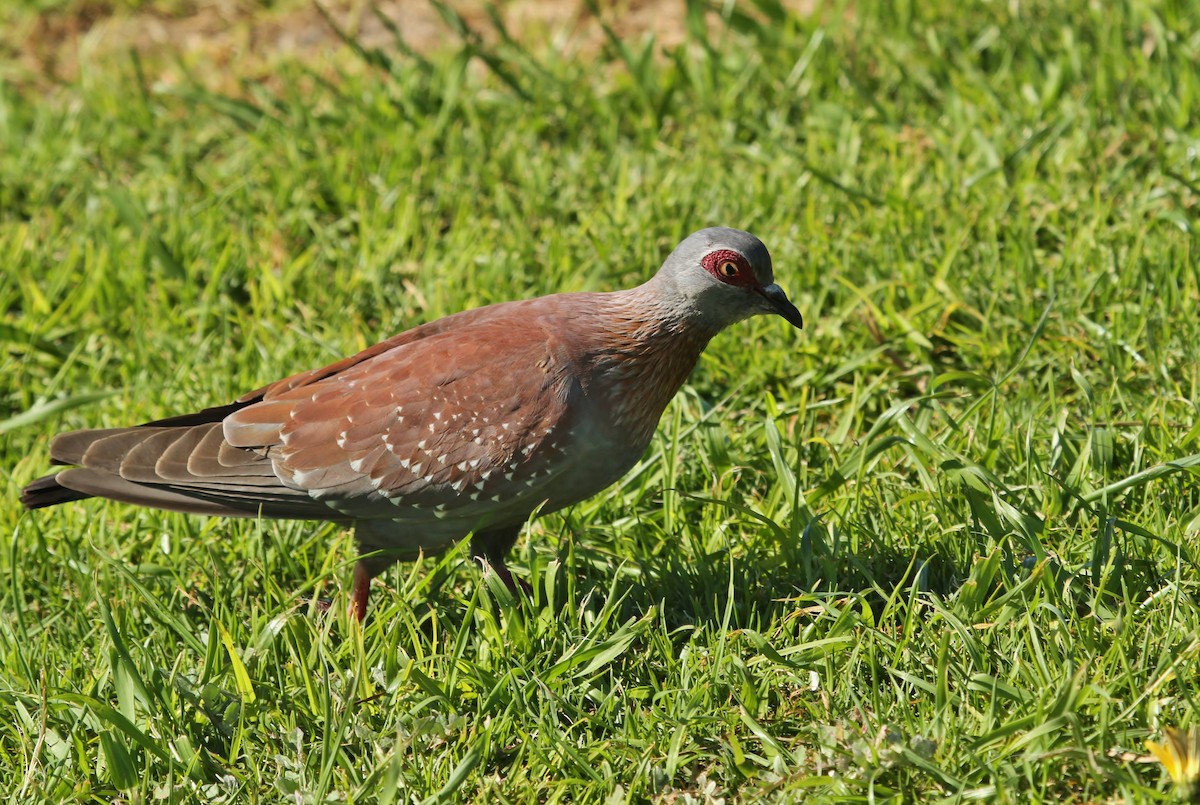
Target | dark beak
(779,303)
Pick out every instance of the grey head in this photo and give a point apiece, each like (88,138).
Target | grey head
(719,276)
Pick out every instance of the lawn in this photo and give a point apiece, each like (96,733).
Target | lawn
(939,546)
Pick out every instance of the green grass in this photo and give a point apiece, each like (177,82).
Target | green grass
(941,545)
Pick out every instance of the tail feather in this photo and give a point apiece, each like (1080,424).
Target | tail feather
(96,483)
(188,468)
(47,491)
(69,448)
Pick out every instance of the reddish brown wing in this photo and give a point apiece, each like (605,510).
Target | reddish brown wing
(457,420)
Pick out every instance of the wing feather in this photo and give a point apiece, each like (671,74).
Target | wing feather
(429,423)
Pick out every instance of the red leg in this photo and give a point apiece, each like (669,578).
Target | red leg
(361,590)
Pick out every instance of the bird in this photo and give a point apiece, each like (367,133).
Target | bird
(467,425)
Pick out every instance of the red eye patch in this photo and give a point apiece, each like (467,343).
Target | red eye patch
(729,267)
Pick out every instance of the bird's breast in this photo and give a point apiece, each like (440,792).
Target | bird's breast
(636,384)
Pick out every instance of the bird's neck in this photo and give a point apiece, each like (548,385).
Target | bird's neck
(642,354)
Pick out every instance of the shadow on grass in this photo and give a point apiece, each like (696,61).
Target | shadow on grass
(751,586)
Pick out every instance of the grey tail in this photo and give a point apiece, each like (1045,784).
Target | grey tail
(183,468)
(47,491)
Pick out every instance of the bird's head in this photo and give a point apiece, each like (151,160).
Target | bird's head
(721,276)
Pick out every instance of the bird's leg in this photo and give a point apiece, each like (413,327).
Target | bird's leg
(361,590)
(366,568)
(490,548)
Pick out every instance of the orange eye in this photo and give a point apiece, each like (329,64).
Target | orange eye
(729,267)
